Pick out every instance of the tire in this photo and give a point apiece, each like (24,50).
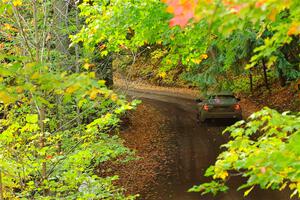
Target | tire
(239,118)
(200,120)
(198,117)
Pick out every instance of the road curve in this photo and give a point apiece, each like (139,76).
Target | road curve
(197,148)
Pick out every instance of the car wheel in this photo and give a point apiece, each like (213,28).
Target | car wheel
(202,119)
(198,117)
(239,118)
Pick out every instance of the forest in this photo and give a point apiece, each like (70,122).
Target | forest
(62,110)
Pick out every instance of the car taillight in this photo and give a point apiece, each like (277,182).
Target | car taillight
(237,107)
(205,107)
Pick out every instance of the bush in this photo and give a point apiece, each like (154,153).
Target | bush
(265,149)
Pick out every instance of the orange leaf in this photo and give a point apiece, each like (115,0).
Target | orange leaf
(294,29)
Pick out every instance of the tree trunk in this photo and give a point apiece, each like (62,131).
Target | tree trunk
(110,75)
(36,32)
(60,18)
(282,79)
(1,187)
(265,75)
(42,138)
(41,110)
(77,64)
(251,81)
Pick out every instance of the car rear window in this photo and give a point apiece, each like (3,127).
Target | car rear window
(222,97)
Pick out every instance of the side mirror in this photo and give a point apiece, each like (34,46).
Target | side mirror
(198,100)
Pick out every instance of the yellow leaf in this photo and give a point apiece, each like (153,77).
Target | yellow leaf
(248,191)
(19,90)
(101,82)
(114,97)
(292,186)
(223,175)
(7,26)
(283,186)
(5,98)
(29,66)
(196,61)
(35,75)
(88,66)
(94,93)
(59,91)
(92,74)
(204,56)
(72,89)
(17,3)
(162,74)
(93,31)
(248,66)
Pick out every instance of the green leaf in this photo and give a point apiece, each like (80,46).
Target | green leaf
(32,118)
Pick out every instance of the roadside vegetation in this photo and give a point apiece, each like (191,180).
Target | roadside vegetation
(60,118)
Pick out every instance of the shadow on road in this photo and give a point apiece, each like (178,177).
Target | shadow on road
(218,122)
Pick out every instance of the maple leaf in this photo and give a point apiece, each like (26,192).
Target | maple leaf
(232,7)
(263,170)
(183,11)
(227,3)
(294,29)
(236,8)
(260,3)
(49,157)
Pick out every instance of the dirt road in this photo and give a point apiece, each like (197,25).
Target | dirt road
(196,148)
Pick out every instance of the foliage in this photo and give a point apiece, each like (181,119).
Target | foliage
(50,154)
(261,31)
(126,26)
(264,149)
(19,35)
(56,126)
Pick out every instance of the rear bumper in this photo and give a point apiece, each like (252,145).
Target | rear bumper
(215,115)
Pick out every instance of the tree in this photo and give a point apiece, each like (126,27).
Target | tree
(45,151)
(203,27)
(264,149)
(205,36)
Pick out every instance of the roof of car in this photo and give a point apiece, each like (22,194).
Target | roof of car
(224,93)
